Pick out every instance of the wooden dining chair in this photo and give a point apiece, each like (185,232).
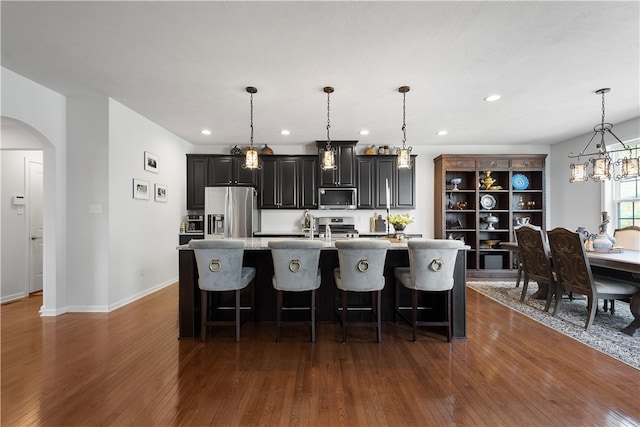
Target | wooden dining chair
(533,253)
(573,273)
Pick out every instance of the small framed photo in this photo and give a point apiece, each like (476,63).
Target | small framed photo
(150,162)
(161,193)
(140,189)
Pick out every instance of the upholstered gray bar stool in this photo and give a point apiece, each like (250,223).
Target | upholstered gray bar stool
(431,267)
(295,268)
(361,269)
(220,269)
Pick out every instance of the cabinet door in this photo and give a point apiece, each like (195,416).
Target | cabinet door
(344,174)
(385,173)
(404,194)
(346,166)
(197,169)
(308,182)
(242,176)
(288,183)
(220,170)
(365,173)
(269,184)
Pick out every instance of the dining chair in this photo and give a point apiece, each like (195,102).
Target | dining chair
(295,268)
(628,237)
(220,269)
(573,273)
(533,252)
(431,268)
(361,269)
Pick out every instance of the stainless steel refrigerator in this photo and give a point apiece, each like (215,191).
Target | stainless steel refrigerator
(231,212)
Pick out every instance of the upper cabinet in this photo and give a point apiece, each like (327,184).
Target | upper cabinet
(375,173)
(228,170)
(345,173)
(288,182)
(208,170)
(481,198)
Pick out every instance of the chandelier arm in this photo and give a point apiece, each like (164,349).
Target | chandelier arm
(583,152)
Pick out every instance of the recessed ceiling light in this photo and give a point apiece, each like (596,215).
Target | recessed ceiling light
(364,132)
(205,132)
(284,132)
(492,98)
(442,133)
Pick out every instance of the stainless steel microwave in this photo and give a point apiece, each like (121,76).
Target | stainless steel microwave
(337,198)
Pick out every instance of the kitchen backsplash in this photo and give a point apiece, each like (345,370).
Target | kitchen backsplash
(290,220)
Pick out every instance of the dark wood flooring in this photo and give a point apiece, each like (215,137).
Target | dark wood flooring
(128,368)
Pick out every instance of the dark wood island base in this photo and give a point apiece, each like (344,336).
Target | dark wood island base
(265,294)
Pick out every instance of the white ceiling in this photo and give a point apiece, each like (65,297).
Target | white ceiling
(185,66)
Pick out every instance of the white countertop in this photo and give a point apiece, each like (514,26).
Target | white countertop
(263,243)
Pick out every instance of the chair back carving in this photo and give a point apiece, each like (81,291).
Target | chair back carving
(628,237)
(570,262)
(534,253)
(219,263)
(432,263)
(295,264)
(361,264)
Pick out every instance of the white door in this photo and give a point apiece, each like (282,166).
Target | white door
(35,227)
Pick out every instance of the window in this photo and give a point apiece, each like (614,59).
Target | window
(627,195)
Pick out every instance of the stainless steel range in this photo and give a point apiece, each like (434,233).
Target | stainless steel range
(342,227)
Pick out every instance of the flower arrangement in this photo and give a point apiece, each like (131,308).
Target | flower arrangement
(400,220)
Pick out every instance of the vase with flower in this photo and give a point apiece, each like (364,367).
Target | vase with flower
(399,223)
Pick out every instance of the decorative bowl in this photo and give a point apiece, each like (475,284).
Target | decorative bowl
(491,243)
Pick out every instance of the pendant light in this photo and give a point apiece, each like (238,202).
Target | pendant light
(604,166)
(328,153)
(251,155)
(404,153)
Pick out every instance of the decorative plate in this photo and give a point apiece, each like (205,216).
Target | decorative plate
(487,201)
(520,182)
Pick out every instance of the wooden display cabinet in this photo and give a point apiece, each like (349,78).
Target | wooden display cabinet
(484,211)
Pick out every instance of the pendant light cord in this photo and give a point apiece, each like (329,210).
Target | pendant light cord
(404,125)
(328,120)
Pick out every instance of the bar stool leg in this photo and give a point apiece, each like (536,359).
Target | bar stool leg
(344,316)
(278,313)
(414,313)
(203,315)
(237,315)
(313,315)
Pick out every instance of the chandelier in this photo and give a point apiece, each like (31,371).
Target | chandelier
(404,153)
(604,166)
(251,155)
(328,153)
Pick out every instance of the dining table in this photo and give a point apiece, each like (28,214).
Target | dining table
(621,263)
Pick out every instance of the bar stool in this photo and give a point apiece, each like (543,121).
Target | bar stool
(361,269)
(295,267)
(431,267)
(220,270)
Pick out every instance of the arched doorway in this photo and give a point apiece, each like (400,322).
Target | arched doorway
(22,154)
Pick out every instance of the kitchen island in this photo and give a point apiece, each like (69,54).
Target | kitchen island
(258,255)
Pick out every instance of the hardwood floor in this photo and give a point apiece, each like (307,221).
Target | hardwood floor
(128,368)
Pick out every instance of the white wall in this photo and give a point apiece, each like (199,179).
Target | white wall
(580,203)
(143,234)
(106,253)
(43,112)
(15,225)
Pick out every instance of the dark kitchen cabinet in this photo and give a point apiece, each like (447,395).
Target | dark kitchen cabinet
(197,174)
(209,170)
(345,174)
(308,182)
(374,172)
(228,170)
(279,183)
(365,170)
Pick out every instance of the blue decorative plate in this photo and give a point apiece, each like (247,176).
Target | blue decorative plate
(520,182)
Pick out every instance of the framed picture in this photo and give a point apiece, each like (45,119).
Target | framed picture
(161,193)
(140,189)
(150,162)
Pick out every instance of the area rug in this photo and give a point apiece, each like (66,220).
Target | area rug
(603,334)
